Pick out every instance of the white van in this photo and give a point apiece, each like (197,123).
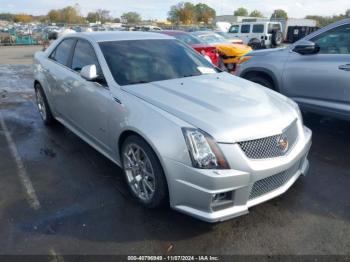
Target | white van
(258,34)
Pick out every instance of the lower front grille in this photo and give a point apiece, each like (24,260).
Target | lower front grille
(268,184)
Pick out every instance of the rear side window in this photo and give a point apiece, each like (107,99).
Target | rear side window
(258,28)
(62,52)
(84,54)
(245,29)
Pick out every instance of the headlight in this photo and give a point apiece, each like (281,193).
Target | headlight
(203,150)
(296,107)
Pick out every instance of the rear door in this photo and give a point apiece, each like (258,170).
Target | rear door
(322,79)
(57,74)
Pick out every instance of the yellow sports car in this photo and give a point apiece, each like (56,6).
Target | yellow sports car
(229,53)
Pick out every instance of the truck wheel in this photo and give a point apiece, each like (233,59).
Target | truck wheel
(277,38)
(254,44)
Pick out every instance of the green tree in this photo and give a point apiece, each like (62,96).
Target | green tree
(92,17)
(183,13)
(6,16)
(256,13)
(279,14)
(240,12)
(204,13)
(116,20)
(54,16)
(131,17)
(347,13)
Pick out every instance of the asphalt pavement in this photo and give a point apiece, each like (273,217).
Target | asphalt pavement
(60,196)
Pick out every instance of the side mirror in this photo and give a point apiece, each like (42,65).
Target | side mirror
(305,47)
(89,72)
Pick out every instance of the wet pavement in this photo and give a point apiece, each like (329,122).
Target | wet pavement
(85,207)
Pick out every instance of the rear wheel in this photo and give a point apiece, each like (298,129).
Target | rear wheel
(43,106)
(254,44)
(143,172)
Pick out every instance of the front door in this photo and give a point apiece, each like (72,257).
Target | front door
(323,78)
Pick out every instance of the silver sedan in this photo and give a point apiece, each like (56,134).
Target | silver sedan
(209,143)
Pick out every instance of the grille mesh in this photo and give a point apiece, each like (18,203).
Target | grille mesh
(268,184)
(268,147)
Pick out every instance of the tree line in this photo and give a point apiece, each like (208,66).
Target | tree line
(181,13)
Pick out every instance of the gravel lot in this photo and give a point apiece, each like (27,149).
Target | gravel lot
(60,196)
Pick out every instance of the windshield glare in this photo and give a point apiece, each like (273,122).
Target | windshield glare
(213,38)
(188,39)
(144,61)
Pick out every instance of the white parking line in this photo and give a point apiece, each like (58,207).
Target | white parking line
(56,257)
(22,173)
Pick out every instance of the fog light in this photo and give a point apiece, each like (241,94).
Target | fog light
(222,200)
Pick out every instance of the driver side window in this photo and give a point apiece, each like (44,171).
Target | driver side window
(334,41)
(84,55)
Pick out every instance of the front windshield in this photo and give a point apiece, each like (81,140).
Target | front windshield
(213,38)
(144,61)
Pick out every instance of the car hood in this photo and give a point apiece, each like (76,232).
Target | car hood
(229,108)
(229,49)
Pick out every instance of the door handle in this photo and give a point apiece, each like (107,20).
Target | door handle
(345,67)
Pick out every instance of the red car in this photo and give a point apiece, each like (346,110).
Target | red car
(197,44)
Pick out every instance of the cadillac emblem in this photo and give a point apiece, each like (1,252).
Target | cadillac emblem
(283,143)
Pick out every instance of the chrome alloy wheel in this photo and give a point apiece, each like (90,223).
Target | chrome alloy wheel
(41,104)
(139,172)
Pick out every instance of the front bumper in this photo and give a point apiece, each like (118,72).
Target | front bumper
(192,190)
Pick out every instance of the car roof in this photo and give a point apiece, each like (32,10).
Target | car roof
(120,36)
(174,32)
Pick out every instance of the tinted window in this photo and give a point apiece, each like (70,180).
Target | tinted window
(334,41)
(62,52)
(245,29)
(234,29)
(258,28)
(84,55)
(188,39)
(274,27)
(138,61)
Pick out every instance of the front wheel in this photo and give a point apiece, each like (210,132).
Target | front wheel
(143,172)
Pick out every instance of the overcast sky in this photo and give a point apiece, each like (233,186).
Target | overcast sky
(157,9)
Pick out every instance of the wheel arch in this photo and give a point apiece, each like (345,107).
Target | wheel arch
(261,72)
(129,132)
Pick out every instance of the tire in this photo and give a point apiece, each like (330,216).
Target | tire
(262,81)
(43,106)
(254,44)
(277,38)
(144,175)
